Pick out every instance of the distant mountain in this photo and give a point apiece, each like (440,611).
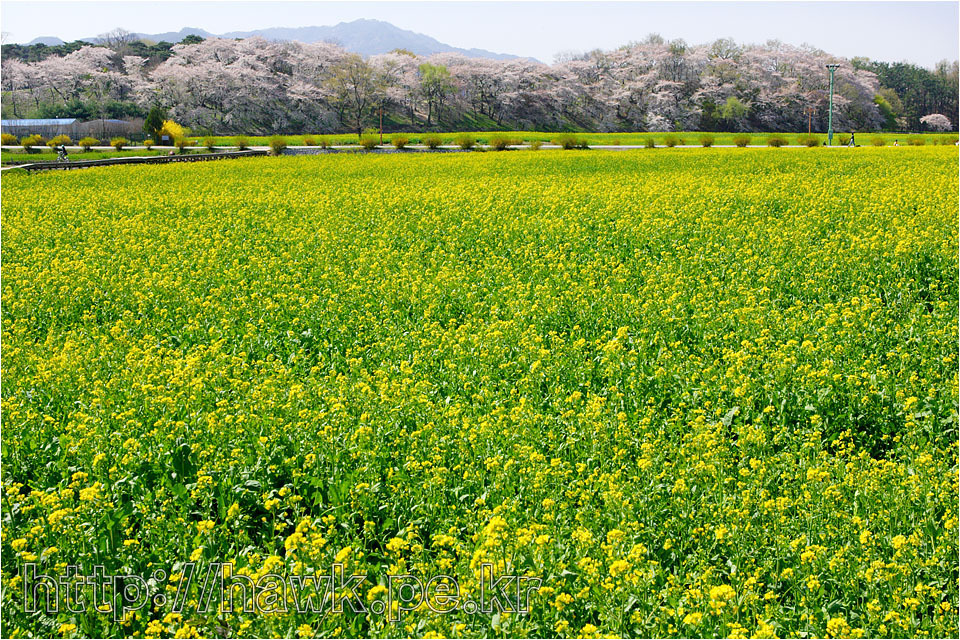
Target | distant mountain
(50,41)
(175,36)
(366,37)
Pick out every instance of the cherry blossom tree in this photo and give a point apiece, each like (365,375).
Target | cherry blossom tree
(256,86)
(936,121)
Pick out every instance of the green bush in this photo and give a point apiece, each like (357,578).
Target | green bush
(181,143)
(119,143)
(148,143)
(706,140)
(432,141)
(210,143)
(878,141)
(241,142)
(323,143)
(741,140)
(535,145)
(843,139)
(29,142)
(499,143)
(277,145)
(615,142)
(466,142)
(570,141)
(369,141)
(55,142)
(649,142)
(87,143)
(917,141)
(309,141)
(809,140)
(671,141)
(776,141)
(8,140)
(399,141)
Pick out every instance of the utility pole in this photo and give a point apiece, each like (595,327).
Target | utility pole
(832,67)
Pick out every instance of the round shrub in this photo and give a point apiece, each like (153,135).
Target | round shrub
(878,142)
(399,141)
(55,142)
(649,142)
(570,141)
(566,141)
(432,141)
(369,141)
(210,143)
(309,141)
(148,143)
(181,143)
(466,142)
(706,140)
(277,145)
(119,143)
(87,143)
(8,140)
(241,142)
(776,141)
(917,141)
(535,145)
(671,141)
(172,131)
(741,140)
(499,143)
(29,142)
(809,140)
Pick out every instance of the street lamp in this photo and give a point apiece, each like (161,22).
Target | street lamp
(832,67)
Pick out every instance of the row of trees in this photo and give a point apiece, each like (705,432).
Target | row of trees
(258,86)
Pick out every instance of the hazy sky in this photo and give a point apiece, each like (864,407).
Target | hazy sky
(919,32)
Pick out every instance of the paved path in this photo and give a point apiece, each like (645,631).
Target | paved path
(316,150)
(419,147)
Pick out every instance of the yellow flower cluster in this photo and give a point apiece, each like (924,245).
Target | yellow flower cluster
(709,393)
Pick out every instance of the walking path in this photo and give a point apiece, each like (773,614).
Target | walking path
(232,152)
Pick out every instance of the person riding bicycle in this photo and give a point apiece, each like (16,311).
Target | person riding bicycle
(62,153)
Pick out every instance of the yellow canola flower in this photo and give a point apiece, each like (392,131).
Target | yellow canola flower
(602,370)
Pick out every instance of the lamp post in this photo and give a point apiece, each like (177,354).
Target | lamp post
(832,67)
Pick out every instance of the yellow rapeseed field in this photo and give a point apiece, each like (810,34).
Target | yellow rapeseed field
(693,392)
